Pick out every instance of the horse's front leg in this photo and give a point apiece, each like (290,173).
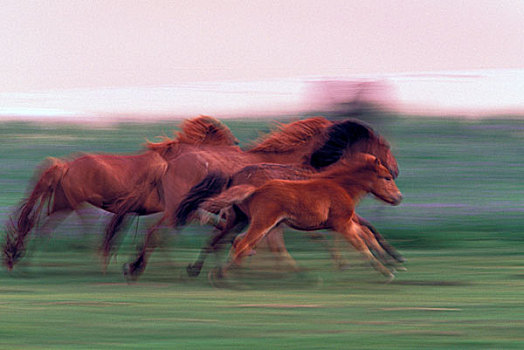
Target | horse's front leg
(352,232)
(110,235)
(133,270)
(390,250)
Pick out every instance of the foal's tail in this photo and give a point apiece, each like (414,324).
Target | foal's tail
(26,215)
(213,184)
(231,196)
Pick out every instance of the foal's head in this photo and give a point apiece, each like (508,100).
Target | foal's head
(382,184)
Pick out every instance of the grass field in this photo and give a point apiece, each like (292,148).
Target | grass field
(460,227)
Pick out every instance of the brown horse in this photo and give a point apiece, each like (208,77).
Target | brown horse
(326,201)
(234,221)
(102,179)
(314,143)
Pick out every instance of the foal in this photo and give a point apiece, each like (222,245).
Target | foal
(326,201)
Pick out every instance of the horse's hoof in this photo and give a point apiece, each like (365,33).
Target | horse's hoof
(192,270)
(129,274)
(344,266)
(214,277)
(390,278)
(400,258)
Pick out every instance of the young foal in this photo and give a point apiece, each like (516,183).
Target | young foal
(231,220)
(326,201)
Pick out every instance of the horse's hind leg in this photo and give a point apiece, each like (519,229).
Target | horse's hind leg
(351,232)
(52,221)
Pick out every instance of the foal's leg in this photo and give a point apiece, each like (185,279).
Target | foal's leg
(258,228)
(351,232)
(370,240)
(381,240)
(275,241)
(221,231)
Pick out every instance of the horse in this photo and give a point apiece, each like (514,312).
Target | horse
(257,175)
(314,142)
(325,201)
(100,180)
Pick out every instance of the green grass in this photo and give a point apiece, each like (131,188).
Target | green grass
(460,227)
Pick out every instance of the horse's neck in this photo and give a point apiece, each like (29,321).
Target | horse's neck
(357,183)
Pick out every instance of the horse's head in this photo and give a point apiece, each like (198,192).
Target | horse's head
(383,185)
(13,248)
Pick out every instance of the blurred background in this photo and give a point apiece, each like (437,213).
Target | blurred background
(442,81)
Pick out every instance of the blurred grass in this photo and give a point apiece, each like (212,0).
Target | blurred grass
(460,227)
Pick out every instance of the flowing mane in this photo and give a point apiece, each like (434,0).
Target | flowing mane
(341,136)
(288,137)
(202,130)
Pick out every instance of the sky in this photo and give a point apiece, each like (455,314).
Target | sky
(61,45)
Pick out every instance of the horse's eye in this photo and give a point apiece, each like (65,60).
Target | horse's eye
(388,178)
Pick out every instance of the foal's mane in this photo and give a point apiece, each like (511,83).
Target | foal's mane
(202,130)
(287,137)
(341,136)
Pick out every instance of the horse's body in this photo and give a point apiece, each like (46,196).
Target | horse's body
(102,180)
(257,175)
(325,201)
(313,143)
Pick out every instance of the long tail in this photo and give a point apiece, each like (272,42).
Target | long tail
(213,184)
(29,210)
(42,194)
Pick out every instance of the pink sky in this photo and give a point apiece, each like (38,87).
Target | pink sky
(64,44)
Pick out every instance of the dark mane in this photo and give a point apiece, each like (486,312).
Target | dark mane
(340,136)
(288,137)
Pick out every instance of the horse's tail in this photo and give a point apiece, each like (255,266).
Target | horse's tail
(231,196)
(26,215)
(30,209)
(213,184)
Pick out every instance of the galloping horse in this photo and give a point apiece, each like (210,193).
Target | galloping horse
(325,201)
(102,179)
(314,143)
(257,175)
